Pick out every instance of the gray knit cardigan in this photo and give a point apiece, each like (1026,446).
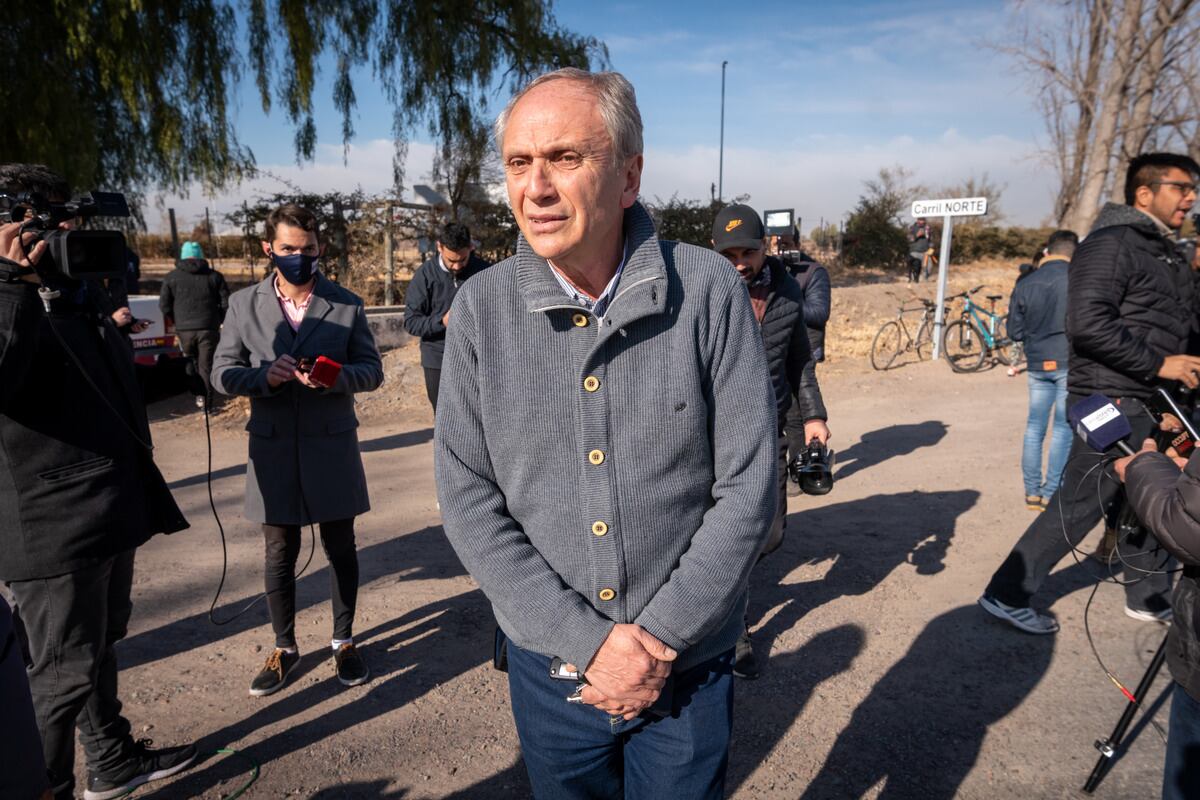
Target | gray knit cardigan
(594,472)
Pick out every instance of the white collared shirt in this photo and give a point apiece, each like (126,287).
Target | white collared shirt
(598,306)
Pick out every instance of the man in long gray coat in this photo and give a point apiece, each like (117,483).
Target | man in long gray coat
(605,454)
(304,465)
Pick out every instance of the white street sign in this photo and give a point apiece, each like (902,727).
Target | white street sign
(950,207)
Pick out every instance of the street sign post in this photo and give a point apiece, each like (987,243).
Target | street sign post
(946,208)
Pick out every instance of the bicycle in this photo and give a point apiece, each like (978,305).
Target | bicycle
(978,333)
(893,337)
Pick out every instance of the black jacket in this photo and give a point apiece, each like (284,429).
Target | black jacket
(195,296)
(76,485)
(1168,503)
(429,296)
(814,285)
(789,354)
(1130,304)
(1037,314)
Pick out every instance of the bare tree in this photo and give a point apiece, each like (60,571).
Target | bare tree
(1113,79)
(982,186)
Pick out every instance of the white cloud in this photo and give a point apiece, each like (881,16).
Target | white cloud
(825,180)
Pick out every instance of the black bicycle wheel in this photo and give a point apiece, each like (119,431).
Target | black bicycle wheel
(1008,352)
(963,346)
(886,346)
(924,338)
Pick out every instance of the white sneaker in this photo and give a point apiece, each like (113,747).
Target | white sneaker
(1140,615)
(1024,619)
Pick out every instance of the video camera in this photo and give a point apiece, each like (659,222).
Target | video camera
(813,469)
(76,254)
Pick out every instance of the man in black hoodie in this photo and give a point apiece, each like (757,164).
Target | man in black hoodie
(778,303)
(1131,306)
(195,297)
(79,492)
(433,287)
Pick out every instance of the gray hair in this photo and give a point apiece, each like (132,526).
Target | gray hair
(615,99)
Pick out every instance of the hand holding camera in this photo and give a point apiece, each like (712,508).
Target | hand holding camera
(12,248)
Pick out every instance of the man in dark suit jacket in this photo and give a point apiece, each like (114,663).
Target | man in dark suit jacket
(304,464)
(432,290)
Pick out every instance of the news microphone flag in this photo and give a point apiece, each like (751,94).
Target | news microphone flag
(1099,422)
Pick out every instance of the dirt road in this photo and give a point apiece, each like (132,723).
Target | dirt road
(884,680)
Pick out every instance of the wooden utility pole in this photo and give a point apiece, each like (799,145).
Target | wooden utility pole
(174,235)
(389,259)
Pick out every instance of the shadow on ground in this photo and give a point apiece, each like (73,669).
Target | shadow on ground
(921,728)
(419,555)
(862,542)
(408,658)
(893,441)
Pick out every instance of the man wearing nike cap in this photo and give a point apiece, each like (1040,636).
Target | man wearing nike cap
(778,303)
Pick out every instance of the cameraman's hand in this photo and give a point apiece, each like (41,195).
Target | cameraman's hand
(816,429)
(10,246)
(282,371)
(1181,368)
(123,316)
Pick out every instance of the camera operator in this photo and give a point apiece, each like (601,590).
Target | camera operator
(1130,311)
(778,305)
(813,279)
(1168,503)
(80,492)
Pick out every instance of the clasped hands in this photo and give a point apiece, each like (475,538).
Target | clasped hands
(628,672)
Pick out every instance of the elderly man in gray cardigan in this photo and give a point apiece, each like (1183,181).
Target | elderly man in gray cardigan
(304,465)
(605,456)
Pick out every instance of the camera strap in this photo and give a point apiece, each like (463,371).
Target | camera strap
(11,271)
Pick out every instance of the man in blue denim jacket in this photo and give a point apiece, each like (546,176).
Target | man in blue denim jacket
(1037,316)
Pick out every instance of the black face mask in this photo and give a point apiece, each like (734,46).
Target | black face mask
(297,269)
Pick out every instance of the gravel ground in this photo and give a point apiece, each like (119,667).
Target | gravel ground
(884,677)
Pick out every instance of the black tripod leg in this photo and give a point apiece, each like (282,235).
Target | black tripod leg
(1108,747)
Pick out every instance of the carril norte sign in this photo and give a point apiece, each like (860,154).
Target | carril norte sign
(950,207)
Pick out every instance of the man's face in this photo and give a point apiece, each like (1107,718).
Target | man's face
(748,261)
(1170,198)
(290,240)
(454,260)
(566,189)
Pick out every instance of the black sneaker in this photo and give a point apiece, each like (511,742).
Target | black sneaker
(142,766)
(274,673)
(793,479)
(348,664)
(745,665)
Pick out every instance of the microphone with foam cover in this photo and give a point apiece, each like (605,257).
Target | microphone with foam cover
(1099,422)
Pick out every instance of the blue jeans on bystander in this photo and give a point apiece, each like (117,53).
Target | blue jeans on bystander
(1181,772)
(1047,391)
(573,752)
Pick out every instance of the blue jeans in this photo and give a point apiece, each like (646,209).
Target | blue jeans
(573,752)
(1047,390)
(1181,772)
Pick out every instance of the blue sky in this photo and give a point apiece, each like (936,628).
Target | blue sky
(819,96)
